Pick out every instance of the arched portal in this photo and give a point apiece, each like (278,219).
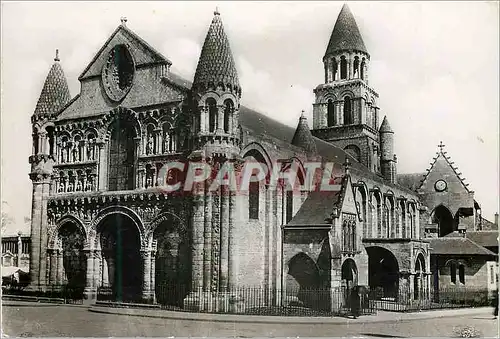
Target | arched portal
(74,261)
(305,272)
(349,273)
(121,155)
(172,269)
(443,217)
(122,265)
(383,272)
(418,282)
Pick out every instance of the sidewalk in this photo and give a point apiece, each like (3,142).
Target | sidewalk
(380,317)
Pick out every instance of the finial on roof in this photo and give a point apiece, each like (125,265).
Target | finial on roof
(216,12)
(441,146)
(302,115)
(123,20)
(57,56)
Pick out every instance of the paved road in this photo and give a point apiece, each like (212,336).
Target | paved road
(25,319)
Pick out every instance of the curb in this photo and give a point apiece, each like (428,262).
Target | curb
(232,318)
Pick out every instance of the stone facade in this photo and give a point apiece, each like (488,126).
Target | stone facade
(102,219)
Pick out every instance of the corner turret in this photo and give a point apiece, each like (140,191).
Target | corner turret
(387,156)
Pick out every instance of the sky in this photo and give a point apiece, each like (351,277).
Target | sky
(435,66)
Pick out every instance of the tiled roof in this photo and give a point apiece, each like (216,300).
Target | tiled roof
(484,238)
(410,180)
(345,34)
(216,64)
(318,207)
(55,92)
(457,246)
(303,137)
(385,127)
(487,225)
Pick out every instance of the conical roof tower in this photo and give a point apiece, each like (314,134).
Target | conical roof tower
(345,35)
(55,93)
(303,137)
(216,65)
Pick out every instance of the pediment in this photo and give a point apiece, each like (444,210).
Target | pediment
(142,53)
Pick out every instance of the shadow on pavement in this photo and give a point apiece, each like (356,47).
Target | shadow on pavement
(378,335)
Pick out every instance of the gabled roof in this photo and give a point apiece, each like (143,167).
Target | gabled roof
(319,206)
(457,246)
(216,64)
(345,34)
(442,154)
(303,137)
(157,56)
(55,93)
(484,238)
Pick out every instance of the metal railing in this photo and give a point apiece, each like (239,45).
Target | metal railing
(66,294)
(408,301)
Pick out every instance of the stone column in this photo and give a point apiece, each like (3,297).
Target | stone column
(153,275)
(220,119)
(53,267)
(232,249)
(89,281)
(341,112)
(146,279)
(105,272)
(207,118)
(337,71)
(60,267)
(207,234)
(197,224)
(102,169)
(97,281)
(35,234)
(43,231)
(224,237)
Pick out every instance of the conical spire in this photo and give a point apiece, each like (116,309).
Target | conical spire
(216,64)
(345,35)
(303,137)
(385,127)
(55,92)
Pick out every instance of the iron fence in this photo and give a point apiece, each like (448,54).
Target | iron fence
(409,301)
(67,294)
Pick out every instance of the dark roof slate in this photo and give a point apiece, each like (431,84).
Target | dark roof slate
(484,238)
(317,209)
(345,34)
(457,246)
(303,137)
(216,64)
(55,93)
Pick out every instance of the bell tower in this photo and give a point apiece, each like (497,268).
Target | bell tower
(345,112)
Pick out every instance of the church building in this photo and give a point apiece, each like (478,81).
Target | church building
(101,220)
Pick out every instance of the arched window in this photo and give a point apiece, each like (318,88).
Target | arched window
(253,200)
(335,65)
(362,71)
(453,272)
(330,113)
(228,113)
(35,142)
(343,68)
(461,273)
(356,67)
(212,115)
(121,171)
(167,144)
(50,136)
(347,111)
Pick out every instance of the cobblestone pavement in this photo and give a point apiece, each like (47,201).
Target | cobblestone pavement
(28,319)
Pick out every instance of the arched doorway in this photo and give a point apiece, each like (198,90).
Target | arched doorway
(172,266)
(122,265)
(443,217)
(349,274)
(418,281)
(303,281)
(383,272)
(122,150)
(74,261)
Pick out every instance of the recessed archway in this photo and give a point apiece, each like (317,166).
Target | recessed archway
(72,241)
(349,273)
(383,272)
(443,217)
(122,270)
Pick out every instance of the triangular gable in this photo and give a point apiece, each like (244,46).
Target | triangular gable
(442,168)
(141,51)
(347,203)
